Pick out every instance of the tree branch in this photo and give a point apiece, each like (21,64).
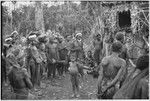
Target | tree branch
(145,16)
(143,21)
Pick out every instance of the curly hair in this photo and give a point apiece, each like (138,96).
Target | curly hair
(142,62)
(120,37)
(116,47)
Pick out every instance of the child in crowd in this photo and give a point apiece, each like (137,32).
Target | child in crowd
(74,74)
(91,64)
(90,59)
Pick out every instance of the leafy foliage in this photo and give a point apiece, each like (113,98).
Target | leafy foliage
(88,17)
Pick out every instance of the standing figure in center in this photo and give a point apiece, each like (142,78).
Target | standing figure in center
(52,56)
(77,49)
(98,49)
(37,59)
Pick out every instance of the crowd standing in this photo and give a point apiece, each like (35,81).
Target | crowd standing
(26,60)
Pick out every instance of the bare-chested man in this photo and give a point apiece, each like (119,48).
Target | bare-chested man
(111,69)
(124,55)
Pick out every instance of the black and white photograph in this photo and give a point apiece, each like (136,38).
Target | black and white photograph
(74,49)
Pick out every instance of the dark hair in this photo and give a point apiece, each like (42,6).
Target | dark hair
(142,62)
(116,47)
(42,39)
(120,37)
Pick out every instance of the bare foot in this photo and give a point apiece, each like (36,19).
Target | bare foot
(78,95)
(73,95)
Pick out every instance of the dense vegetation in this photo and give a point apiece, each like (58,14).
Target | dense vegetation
(88,17)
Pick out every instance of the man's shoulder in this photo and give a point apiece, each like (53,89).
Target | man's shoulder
(106,59)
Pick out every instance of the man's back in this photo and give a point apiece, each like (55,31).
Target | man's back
(18,78)
(124,54)
(111,65)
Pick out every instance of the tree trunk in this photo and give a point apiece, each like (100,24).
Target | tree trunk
(39,20)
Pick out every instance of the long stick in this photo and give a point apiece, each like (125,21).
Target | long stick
(145,16)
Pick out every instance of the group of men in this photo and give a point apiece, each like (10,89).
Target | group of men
(115,80)
(26,60)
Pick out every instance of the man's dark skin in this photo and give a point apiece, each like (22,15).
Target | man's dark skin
(124,55)
(20,82)
(111,69)
(63,58)
(30,61)
(77,48)
(52,57)
(136,86)
(98,49)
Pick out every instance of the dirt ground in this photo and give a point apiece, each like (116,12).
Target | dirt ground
(59,88)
